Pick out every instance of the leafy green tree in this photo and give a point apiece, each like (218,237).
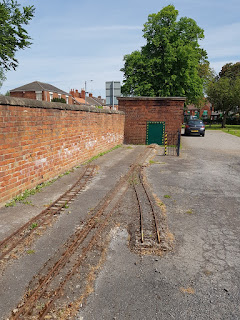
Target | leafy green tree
(2,77)
(224,93)
(62,100)
(171,63)
(12,34)
(230,70)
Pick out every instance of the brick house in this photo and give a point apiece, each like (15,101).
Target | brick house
(82,98)
(40,91)
(204,112)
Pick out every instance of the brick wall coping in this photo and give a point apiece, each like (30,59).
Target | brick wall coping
(153,98)
(31,103)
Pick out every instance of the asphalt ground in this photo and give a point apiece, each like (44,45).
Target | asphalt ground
(200,278)
(197,279)
(20,272)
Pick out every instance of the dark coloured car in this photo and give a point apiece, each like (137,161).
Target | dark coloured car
(195,127)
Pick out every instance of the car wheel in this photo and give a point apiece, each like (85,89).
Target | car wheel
(203,134)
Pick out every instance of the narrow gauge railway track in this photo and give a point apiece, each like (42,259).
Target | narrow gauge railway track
(51,285)
(148,217)
(12,242)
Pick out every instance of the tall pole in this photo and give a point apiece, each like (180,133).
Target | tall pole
(113,94)
(86,89)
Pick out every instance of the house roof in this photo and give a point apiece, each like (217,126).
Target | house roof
(80,100)
(39,86)
(95,101)
(191,107)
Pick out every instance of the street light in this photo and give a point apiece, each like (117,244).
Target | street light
(86,88)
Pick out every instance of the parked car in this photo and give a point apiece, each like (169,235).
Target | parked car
(195,127)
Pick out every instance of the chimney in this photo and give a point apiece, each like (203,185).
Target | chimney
(90,95)
(99,97)
(82,94)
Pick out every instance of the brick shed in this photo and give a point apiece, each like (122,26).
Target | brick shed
(148,118)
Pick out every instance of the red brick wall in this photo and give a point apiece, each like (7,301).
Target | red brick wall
(207,107)
(139,110)
(25,94)
(40,140)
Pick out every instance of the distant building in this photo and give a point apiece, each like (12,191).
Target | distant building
(203,112)
(78,97)
(82,98)
(40,91)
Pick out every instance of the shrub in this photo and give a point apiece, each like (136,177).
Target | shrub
(62,100)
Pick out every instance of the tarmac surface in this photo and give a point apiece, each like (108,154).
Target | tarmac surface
(198,279)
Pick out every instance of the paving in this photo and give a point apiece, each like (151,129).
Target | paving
(198,279)
(20,272)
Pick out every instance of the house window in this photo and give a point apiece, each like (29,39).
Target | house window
(39,95)
(66,99)
(59,95)
(51,95)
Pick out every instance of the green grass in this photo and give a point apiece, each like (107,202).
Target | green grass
(231,129)
(33,226)
(27,193)
(30,251)
(152,162)
(102,154)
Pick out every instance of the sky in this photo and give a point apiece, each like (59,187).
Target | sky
(83,42)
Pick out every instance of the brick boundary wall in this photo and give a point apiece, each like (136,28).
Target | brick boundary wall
(139,110)
(40,140)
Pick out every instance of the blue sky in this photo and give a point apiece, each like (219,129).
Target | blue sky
(81,40)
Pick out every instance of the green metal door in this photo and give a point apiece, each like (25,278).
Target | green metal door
(155,132)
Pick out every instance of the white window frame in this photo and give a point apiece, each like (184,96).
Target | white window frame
(67,99)
(50,96)
(38,95)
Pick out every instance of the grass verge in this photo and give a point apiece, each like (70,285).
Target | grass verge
(231,129)
(102,154)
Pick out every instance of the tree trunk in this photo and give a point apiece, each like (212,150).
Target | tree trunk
(224,119)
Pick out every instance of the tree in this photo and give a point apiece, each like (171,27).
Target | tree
(2,76)
(62,100)
(12,34)
(224,91)
(230,70)
(171,63)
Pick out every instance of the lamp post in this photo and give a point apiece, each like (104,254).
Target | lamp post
(86,88)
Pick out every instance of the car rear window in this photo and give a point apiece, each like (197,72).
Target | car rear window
(195,122)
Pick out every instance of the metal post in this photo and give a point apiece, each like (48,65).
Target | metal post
(165,144)
(178,143)
(113,94)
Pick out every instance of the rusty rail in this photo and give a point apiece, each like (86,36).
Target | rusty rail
(17,237)
(105,210)
(141,210)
